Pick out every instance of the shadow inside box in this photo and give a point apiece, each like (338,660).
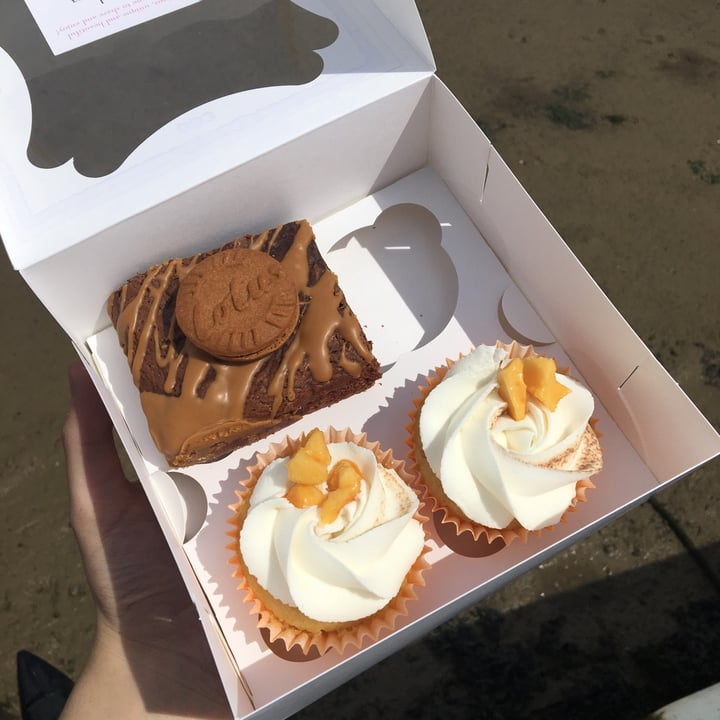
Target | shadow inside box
(196,54)
(414,282)
(621,647)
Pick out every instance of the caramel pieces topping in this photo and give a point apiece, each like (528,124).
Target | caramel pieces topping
(238,304)
(310,467)
(512,388)
(309,464)
(534,375)
(539,374)
(344,484)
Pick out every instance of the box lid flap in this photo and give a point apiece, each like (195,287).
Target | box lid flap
(107,129)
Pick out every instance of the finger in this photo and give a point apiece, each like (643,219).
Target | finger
(99,491)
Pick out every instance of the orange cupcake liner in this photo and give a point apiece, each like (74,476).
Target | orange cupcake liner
(420,467)
(351,634)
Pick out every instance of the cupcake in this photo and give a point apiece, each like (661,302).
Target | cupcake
(503,443)
(328,541)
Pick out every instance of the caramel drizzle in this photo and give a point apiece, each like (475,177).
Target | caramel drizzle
(154,285)
(174,420)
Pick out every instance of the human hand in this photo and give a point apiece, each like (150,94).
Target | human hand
(150,656)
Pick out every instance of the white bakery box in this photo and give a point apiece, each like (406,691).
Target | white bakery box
(436,245)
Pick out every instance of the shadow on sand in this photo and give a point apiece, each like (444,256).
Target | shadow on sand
(619,648)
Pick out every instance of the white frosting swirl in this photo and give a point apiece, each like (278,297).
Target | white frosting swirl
(337,572)
(495,468)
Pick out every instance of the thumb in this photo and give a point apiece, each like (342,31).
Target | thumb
(99,491)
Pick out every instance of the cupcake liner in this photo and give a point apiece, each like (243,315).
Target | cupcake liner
(443,508)
(309,640)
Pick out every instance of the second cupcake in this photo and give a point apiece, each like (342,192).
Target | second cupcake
(503,443)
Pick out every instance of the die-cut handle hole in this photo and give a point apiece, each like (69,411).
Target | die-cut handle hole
(520,321)
(184,502)
(399,279)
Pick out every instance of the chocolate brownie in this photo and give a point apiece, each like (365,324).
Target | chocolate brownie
(284,356)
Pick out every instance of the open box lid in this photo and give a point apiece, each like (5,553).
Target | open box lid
(106,129)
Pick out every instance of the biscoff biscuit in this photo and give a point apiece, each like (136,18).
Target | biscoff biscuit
(238,304)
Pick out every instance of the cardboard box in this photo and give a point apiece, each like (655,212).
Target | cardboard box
(407,197)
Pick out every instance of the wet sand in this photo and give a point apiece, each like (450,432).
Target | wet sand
(608,113)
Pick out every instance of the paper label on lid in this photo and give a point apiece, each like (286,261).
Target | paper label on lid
(69,24)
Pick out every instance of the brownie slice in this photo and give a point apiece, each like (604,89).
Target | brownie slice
(198,407)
